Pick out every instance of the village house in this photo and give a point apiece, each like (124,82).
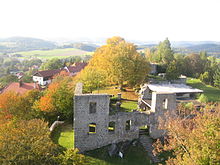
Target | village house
(76,68)
(45,77)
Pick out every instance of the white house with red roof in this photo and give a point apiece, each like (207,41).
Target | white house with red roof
(45,77)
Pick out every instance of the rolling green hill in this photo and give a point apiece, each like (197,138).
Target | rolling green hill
(15,44)
(55,53)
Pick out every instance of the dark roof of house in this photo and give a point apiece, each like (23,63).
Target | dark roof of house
(20,88)
(77,67)
(47,73)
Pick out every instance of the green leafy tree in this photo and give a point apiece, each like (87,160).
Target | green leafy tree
(92,79)
(196,65)
(172,71)
(211,67)
(54,63)
(205,77)
(164,52)
(5,80)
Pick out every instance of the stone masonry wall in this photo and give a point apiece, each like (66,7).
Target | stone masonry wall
(83,117)
(162,104)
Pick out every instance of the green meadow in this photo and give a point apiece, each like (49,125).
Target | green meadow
(54,53)
(212,93)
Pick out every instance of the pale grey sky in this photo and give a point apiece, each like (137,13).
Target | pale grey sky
(132,19)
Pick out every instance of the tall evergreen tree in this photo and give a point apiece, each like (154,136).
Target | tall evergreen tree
(217,78)
(164,52)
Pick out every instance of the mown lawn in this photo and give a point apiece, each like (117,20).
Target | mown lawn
(54,53)
(129,105)
(63,135)
(212,93)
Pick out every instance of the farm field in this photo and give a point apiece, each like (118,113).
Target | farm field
(54,53)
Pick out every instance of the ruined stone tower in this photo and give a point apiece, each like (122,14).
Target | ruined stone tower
(162,104)
(95,128)
(91,120)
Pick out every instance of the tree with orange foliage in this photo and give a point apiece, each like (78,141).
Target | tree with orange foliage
(8,101)
(58,98)
(118,62)
(19,106)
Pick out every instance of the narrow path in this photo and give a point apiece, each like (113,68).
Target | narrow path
(147,143)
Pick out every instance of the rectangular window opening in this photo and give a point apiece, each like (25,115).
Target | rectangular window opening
(92,107)
(111,127)
(92,128)
(128,125)
(165,103)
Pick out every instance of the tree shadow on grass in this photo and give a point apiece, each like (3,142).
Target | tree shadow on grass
(133,155)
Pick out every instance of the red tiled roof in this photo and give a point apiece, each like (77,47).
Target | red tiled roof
(47,73)
(15,87)
(77,68)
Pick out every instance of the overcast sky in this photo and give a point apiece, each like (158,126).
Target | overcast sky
(189,20)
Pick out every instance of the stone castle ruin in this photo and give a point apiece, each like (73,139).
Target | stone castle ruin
(94,127)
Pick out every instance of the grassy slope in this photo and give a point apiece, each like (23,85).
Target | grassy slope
(134,155)
(63,135)
(61,53)
(212,93)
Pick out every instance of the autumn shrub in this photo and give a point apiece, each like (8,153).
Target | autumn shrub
(27,142)
(203,98)
(194,139)
(72,157)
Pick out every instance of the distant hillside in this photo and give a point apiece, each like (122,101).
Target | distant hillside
(185,44)
(211,49)
(145,46)
(205,47)
(54,53)
(16,44)
(81,46)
